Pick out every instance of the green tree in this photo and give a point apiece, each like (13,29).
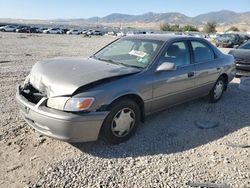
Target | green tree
(165,27)
(189,28)
(210,27)
(176,28)
(233,28)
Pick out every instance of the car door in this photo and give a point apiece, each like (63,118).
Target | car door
(175,86)
(207,66)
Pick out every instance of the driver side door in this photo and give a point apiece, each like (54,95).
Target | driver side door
(174,86)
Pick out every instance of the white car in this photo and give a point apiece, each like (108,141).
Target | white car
(53,31)
(120,34)
(8,28)
(73,32)
(40,30)
(130,33)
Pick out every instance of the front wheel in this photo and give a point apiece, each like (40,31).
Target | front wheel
(217,91)
(122,121)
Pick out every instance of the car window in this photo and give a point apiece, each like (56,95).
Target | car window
(202,52)
(246,46)
(177,53)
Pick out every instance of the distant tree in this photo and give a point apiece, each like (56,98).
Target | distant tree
(189,28)
(165,27)
(176,28)
(210,27)
(233,28)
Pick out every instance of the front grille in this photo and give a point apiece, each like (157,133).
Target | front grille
(32,94)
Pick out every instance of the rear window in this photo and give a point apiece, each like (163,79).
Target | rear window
(202,52)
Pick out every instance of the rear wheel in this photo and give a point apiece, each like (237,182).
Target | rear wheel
(122,121)
(217,91)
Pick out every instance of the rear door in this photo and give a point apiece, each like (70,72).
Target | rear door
(175,86)
(207,66)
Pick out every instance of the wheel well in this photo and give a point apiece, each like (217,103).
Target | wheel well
(136,99)
(226,79)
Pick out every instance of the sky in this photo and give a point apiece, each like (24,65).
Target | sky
(65,9)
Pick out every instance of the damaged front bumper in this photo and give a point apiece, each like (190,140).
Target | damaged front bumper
(70,127)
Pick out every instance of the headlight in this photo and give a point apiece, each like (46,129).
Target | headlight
(70,104)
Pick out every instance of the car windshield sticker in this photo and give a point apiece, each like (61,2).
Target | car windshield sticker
(137,53)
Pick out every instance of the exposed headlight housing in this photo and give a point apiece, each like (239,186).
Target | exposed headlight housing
(70,104)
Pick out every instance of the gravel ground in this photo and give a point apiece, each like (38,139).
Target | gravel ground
(168,150)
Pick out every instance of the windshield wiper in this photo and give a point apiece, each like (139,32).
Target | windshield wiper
(106,60)
(134,66)
(117,63)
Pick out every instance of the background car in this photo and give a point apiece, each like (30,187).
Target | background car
(228,40)
(53,31)
(73,32)
(94,32)
(23,29)
(65,30)
(242,59)
(35,30)
(41,29)
(8,28)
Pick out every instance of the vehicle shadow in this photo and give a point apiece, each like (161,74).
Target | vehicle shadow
(175,130)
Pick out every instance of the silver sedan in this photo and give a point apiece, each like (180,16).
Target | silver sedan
(109,93)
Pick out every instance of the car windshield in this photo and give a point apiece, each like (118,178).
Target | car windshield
(130,52)
(229,36)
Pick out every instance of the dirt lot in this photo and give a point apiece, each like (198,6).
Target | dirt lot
(169,150)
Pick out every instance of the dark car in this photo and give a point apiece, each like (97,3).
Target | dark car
(34,30)
(64,31)
(23,29)
(228,40)
(242,59)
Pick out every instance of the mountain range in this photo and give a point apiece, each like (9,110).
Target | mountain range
(220,17)
(223,18)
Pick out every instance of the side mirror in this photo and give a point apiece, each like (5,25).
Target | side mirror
(166,66)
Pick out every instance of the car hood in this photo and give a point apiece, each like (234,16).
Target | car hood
(62,76)
(241,55)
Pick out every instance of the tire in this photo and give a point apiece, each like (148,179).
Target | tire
(110,128)
(217,91)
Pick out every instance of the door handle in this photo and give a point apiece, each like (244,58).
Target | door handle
(190,74)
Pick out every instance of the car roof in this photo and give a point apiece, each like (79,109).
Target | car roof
(161,37)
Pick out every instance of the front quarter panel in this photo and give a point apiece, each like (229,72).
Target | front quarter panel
(139,84)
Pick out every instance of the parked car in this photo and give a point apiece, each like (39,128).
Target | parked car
(8,28)
(84,31)
(53,31)
(41,29)
(228,40)
(35,30)
(120,34)
(94,32)
(242,59)
(109,93)
(65,31)
(23,29)
(73,32)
